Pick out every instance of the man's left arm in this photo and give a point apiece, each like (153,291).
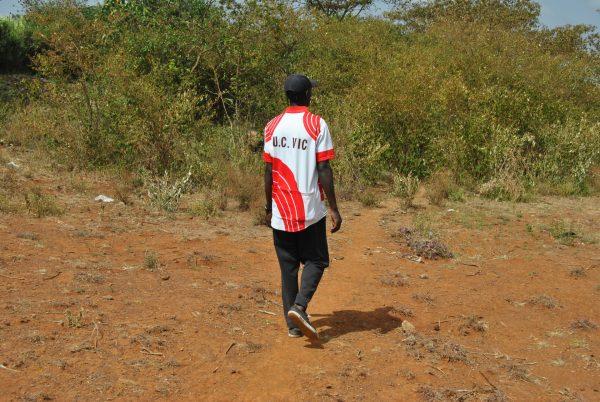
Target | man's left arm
(326,179)
(268,192)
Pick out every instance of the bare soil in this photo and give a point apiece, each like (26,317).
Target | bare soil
(115,301)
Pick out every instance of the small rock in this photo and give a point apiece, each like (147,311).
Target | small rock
(13,165)
(407,327)
(108,297)
(423,276)
(436,326)
(103,198)
(165,277)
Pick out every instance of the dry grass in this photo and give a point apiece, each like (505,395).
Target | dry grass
(419,346)
(473,324)
(395,279)
(210,205)
(584,324)
(151,261)
(405,187)
(369,198)
(425,245)
(41,205)
(403,311)
(439,187)
(520,372)
(544,301)
(577,273)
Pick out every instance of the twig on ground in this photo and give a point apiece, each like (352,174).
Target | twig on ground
(149,352)
(97,333)
(2,366)
(53,276)
(487,380)
(12,277)
(437,368)
(469,265)
(229,348)
(266,312)
(475,273)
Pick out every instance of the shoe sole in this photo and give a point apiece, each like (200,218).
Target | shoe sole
(294,336)
(308,330)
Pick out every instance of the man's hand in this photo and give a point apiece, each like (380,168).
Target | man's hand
(336,220)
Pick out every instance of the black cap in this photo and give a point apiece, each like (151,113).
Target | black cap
(298,83)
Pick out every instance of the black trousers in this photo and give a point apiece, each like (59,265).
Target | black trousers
(307,247)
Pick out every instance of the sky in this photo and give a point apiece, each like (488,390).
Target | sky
(554,12)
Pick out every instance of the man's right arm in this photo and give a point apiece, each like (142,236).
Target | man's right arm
(326,179)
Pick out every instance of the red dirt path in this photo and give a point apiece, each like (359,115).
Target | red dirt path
(199,327)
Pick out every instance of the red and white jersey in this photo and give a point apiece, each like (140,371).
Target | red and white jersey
(294,142)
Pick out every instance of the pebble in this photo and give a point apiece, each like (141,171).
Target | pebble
(423,276)
(165,277)
(407,327)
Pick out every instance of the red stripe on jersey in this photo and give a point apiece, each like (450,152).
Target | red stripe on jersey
(281,207)
(286,186)
(325,155)
(267,158)
(281,187)
(312,124)
(270,127)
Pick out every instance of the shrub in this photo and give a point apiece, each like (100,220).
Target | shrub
(405,186)
(16,46)
(475,88)
(165,192)
(40,204)
(369,198)
(210,205)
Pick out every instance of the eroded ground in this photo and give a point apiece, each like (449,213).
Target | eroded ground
(122,302)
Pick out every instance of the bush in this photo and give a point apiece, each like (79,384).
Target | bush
(471,87)
(41,205)
(165,192)
(210,205)
(16,45)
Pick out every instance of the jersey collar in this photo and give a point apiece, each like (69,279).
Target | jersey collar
(296,109)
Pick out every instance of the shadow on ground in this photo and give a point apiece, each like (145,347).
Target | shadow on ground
(343,322)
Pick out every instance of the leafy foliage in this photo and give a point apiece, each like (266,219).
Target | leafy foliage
(475,87)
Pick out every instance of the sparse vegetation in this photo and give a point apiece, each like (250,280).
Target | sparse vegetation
(584,324)
(165,192)
(210,205)
(395,279)
(423,298)
(151,261)
(473,324)
(40,204)
(74,320)
(425,245)
(369,198)
(521,372)
(563,232)
(577,273)
(405,187)
(544,301)
(148,99)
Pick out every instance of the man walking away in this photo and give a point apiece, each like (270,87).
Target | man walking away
(298,176)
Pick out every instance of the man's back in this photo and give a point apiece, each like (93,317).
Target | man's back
(295,142)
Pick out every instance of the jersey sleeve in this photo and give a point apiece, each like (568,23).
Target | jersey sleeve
(324,144)
(268,149)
